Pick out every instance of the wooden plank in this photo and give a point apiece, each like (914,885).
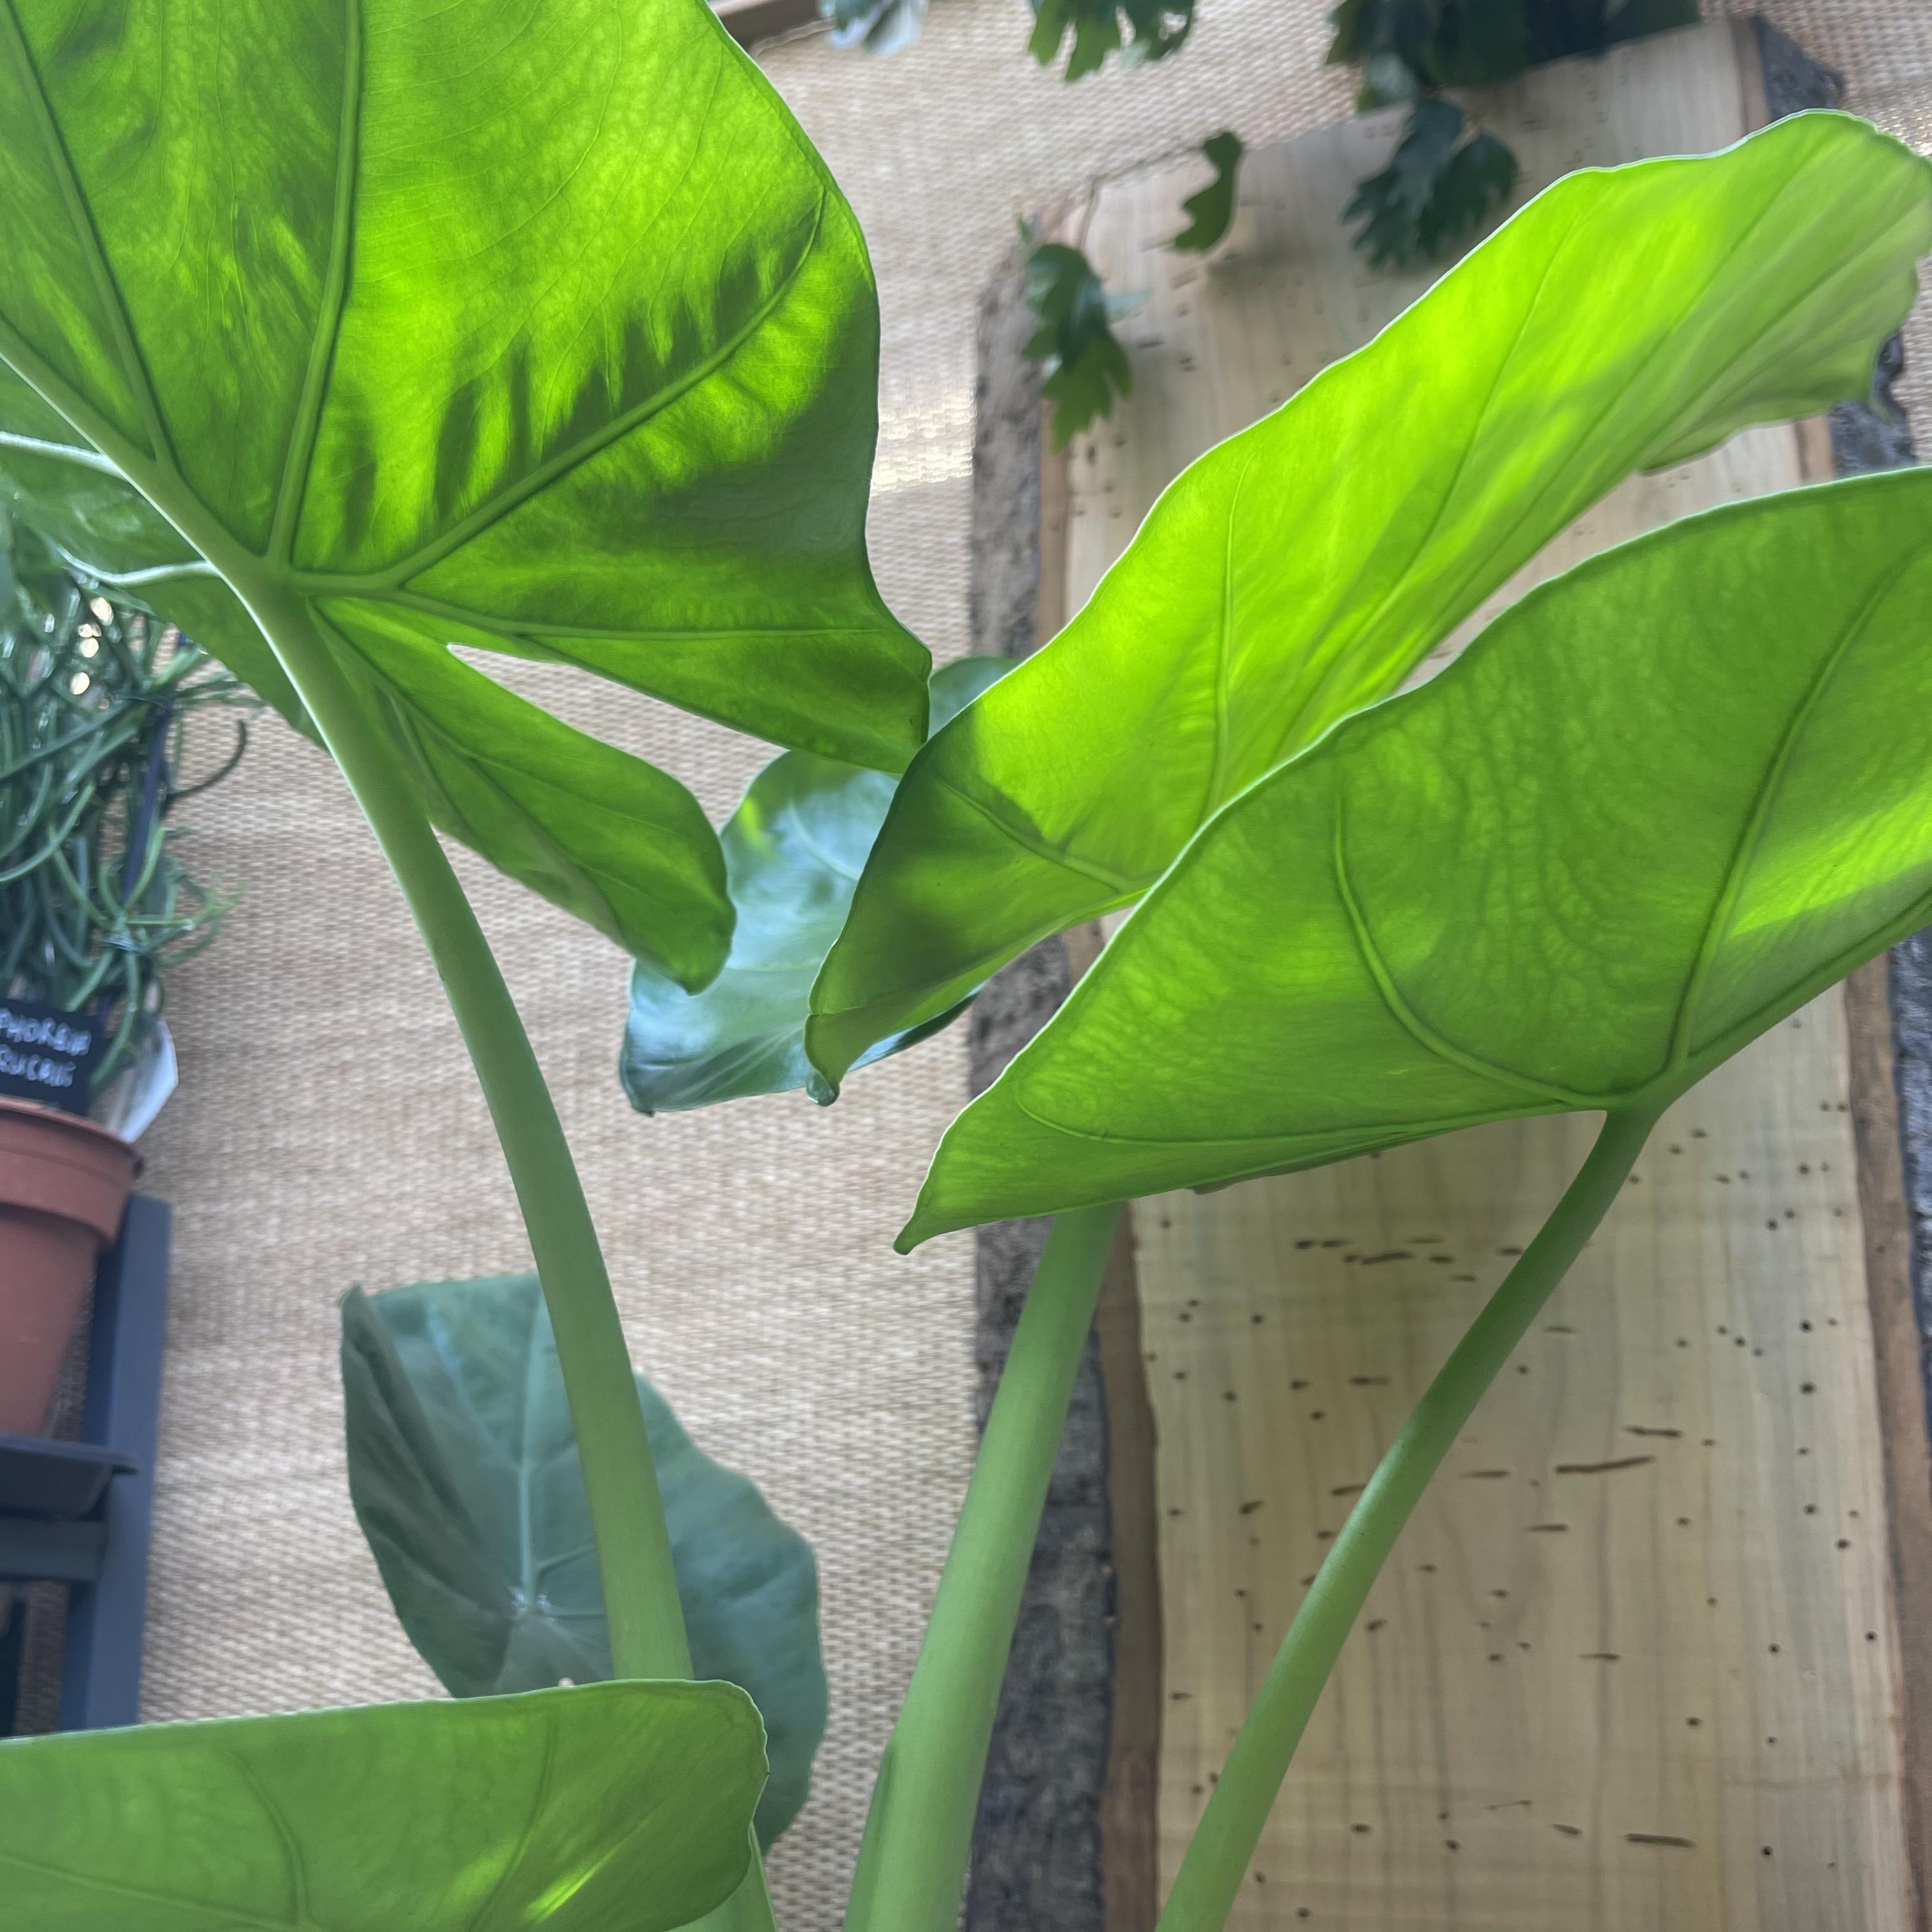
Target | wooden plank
(1634,1667)
(1901,1382)
(1130,1809)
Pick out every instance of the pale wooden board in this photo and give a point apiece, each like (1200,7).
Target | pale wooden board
(1603,1726)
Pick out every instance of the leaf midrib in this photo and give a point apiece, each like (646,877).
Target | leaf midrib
(334,300)
(1750,833)
(1100,875)
(1439,1045)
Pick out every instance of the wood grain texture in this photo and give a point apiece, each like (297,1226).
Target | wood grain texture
(1634,1666)
(1067,1830)
(1037,1855)
(1901,1386)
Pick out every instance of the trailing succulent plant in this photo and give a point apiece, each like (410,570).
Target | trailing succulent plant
(97,703)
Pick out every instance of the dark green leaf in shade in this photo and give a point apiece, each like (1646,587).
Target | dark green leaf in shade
(1420,207)
(1137,30)
(1627,319)
(462,1468)
(1560,28)
(1478,43)
(535,326)
(1476,181)
(1393,205)
(1660,803)
(793,850)
(1212,208)
(619,1807)
(1086,367)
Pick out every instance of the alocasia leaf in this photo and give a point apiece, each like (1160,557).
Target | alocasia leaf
(1655,807)
(535,328)
(464,1470)
(1625,320)
(793,850)
(619,1807)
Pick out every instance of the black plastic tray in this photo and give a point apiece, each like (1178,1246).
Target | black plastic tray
(40,1477)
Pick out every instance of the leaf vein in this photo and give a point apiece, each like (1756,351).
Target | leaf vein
(1437,1044)
(1764,799)
(1031,841)
(512,496)
(334,301)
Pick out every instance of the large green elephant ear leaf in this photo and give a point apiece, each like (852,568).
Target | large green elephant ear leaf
(619,1807)
(538,328)
(464,1469)
(793,851)
(1625,320)
(1655,807)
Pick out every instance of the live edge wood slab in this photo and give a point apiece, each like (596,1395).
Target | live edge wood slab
(1653,1655)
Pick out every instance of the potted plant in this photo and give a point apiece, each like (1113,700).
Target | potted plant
(96,909)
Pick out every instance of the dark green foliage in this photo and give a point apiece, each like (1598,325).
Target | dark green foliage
(1440,187)
(1138,30)
(1214,207)
(463,1468)
(1086,367)
(1437,191)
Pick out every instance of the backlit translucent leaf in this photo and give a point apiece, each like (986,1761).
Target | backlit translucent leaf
(534,325)
(793,850)
(619,1807)
(1655,807)
(463,1468)
(1624,319)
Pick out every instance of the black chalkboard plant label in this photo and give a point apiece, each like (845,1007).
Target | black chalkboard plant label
(48,1054)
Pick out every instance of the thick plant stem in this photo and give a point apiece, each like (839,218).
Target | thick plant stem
(627,1519)
(1210,1874)
(912,1864)
(646,1624)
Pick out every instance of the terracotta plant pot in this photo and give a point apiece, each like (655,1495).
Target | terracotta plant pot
(63,1182)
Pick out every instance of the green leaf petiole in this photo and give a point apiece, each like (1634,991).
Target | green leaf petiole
(633,1547)
(912,1863)
(1217,1859)
(640,1600)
